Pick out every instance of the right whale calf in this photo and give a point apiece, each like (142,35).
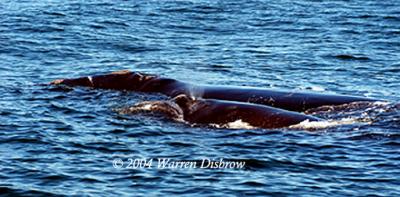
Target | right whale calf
(222,113)
(135,81)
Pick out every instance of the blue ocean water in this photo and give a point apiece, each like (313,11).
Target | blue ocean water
(60,141)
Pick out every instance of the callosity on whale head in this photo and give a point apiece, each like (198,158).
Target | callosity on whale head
(119,80)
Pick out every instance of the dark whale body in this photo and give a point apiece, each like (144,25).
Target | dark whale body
(222,113)
(134,81)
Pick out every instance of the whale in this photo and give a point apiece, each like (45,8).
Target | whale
(221,113)
(136,81)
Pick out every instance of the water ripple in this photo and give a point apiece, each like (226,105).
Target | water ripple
(62,141)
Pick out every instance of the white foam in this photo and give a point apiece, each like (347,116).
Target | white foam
(307,124)
(237,124)
(317,88)
(147,107)
(381,103)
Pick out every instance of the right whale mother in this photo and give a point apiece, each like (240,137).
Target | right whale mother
(135,81)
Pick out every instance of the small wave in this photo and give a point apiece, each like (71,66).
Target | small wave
(374,136)
(351,57)
(41,29)
(116,23)
(180,144)
(314,88)
(252,183)
(15,191)
(53,13)
(97,26)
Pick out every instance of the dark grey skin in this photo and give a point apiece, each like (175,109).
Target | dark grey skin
(134,81)
(220,112)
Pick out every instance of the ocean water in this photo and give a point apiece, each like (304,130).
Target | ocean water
(62,141)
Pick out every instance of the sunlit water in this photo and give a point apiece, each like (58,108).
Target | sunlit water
(63,141)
